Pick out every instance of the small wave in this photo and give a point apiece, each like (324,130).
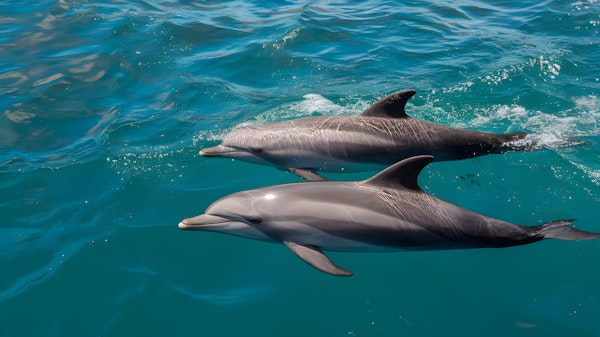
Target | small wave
(279,45)
(312,105)
(80,151)
(543,68)
(29,280)
(49,223)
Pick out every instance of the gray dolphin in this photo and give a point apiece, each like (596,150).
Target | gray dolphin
(388,212)
(381,135)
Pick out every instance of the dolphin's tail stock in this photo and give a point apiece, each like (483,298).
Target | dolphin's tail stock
(562,230)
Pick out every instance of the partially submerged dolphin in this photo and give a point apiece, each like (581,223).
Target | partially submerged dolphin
(381,135)
(388,212)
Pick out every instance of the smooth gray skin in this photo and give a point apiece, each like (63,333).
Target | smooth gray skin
(388,212)
(380,136)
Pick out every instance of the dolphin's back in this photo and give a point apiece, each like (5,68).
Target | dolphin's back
(367,139)
(443,225)
(393,219)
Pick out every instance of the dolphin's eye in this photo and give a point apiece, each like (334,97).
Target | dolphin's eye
(255,149)
(254,221)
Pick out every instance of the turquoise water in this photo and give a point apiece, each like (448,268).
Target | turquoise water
(104,107)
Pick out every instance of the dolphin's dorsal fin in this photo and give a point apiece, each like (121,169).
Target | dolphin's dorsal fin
(403,174)
(391,106)
(313,256)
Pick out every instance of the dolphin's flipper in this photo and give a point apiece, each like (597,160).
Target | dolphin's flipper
(306,174)
(313,256)
(391,106)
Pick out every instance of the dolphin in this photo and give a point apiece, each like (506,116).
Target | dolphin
(388,212)
(380,136)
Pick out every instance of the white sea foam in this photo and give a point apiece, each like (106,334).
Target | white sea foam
(547,130)
(559,133)
(312,105)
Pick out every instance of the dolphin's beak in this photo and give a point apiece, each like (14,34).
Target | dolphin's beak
(201,221)
(217,151)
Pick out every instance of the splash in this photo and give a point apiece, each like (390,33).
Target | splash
(312,105)
(565,133)
(545,67)
(546,130)
(158,161)
(289,37)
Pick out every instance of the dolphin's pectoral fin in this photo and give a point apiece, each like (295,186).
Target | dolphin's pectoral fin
(391,106)
(313,256)
(305,174)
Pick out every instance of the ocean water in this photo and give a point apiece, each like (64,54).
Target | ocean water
(105,105)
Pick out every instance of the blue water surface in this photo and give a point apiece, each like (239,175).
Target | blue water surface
(105,105)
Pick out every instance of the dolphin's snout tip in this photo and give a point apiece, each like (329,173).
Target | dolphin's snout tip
(203,221)
(215,151)
(207,152)
(187,224)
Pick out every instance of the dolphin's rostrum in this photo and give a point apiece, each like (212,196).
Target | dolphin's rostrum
(380,136)
(388,212)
